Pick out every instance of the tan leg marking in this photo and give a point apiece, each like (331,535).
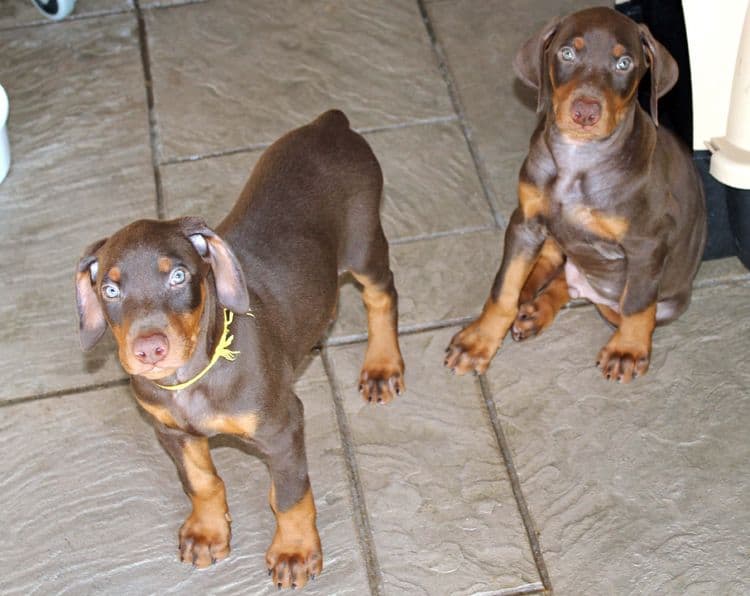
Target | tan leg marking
(628,351)
(473,347)
(532,200)
(537,314)
(205,535)
(609,314)
(382,375)
(295,555)
(545,270)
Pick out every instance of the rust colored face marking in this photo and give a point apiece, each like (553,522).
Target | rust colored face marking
(114,274)
(618,50)
(579,43)
(165,264)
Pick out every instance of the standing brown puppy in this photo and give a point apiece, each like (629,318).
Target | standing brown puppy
(212,325)
(610,206)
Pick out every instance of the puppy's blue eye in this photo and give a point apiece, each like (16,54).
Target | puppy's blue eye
(568,54)
(111,291)
(624,63)
(177,277)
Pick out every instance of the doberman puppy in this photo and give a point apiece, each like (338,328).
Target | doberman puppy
(212,324)
(610,206)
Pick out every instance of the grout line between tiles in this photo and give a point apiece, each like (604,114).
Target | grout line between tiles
(535,588)
(515,483)
(146,62)
(501,220)
(260,146)
(361,517)
(14,401)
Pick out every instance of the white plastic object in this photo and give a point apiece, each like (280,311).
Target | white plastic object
(55,9)
(730,159)
(4,144)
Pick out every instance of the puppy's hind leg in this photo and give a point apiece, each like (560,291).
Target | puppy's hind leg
(382,376)
(543,295)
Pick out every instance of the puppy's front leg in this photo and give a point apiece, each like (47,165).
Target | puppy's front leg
(295,555)
(474,346)
(628,352)
(206,533)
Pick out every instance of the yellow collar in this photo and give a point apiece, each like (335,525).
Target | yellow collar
(222,351)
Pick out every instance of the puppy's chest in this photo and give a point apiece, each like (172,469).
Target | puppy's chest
(580,216)
(192,411)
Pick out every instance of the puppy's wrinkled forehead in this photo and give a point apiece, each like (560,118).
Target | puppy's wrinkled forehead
(147,246)
(599,31)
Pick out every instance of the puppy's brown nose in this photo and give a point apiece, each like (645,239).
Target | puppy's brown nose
(586,111)
(151,349)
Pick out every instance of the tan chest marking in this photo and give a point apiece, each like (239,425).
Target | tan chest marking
(611,227)
(243,425)
(161,414)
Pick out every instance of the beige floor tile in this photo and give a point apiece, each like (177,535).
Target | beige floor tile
(218,86)
(15,13)
(443,515)
(430,183)
(92,504)
(639,488)
(81,168)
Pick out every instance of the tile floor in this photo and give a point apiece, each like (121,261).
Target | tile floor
(538,477)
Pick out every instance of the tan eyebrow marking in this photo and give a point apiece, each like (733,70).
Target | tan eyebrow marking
(165,264)
(618,50)
(114,274)
(579,43)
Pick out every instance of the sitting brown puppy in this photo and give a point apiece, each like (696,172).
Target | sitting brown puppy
(610,206)
(212,325)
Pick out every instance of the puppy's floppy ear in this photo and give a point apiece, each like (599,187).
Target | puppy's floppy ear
(664,69)
(91,321)
(230,281)
(530,62)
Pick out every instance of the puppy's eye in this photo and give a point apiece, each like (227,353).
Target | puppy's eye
(624,63)
(177,277)
(567,54)
(110,291)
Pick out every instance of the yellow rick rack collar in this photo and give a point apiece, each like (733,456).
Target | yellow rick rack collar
(222,351)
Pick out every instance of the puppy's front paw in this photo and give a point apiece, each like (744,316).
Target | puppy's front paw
(623,361)
(292,563)
(204,539)
(381,380)
(471,349)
